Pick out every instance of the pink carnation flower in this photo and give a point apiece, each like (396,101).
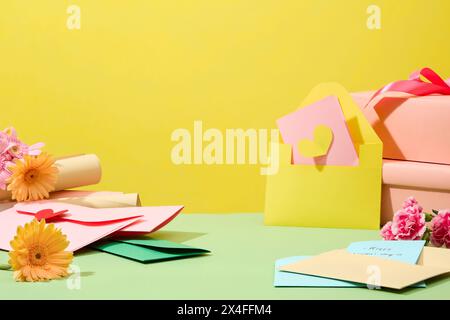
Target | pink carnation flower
(440,226)
(5,173)
(411,202)
(386,231)
(11,148)
(4,142)
(408,223)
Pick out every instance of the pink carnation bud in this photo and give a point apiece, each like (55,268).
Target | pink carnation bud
(411,202)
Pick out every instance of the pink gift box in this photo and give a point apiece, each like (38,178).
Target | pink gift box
(415,129)
(429,183)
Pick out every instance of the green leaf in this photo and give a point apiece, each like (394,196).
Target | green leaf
(435,211)
(428,216)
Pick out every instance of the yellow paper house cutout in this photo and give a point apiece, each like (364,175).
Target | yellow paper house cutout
(329,196)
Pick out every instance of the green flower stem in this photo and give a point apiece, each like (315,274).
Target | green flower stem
(426,236)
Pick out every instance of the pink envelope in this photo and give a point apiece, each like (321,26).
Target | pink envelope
(301,123)
(84,225)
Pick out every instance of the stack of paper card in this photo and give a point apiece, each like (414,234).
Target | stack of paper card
(87,217)
(391,264)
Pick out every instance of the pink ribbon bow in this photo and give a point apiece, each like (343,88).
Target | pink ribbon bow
(414,86)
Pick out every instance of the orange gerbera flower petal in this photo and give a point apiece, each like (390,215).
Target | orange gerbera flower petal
(38,252)
(33,177)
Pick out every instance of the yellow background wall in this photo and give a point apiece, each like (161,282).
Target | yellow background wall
(138,69)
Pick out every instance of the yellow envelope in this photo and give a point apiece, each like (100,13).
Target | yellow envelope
(342,265)
(329,196)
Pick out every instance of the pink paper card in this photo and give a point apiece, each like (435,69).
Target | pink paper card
(319,135)
(84,225)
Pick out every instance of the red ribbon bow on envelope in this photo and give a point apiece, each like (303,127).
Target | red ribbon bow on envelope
(86,219)
(414,86)
(47,214)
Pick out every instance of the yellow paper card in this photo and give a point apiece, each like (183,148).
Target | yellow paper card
(329,196)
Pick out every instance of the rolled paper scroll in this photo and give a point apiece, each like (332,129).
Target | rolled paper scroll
(97,199)
(78,171)
(73,172)
(91,199)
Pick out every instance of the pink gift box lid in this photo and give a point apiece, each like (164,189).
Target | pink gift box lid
(414,174)
(415,128)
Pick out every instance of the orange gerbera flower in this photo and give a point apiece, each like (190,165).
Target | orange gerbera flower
(32,178)
(38,252)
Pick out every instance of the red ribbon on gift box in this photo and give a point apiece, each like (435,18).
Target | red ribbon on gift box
(414,86)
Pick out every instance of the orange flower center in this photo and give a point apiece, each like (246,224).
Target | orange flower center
(31,175)
(37,256)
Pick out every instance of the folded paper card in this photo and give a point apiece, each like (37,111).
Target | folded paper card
(84,225)
(318,134)
(373,270)
(405,251)
(148,250)
(435,257)
(332,196)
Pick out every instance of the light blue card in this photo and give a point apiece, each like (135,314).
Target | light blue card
(404,251)
(407,251)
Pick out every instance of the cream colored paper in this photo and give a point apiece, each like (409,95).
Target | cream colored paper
(105,201)
(92,199)
(78,171)
(75,171)
(436,257)
(342,265)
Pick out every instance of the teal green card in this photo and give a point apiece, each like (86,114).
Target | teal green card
(148,250)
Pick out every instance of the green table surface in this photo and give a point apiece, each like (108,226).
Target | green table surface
(241,266)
